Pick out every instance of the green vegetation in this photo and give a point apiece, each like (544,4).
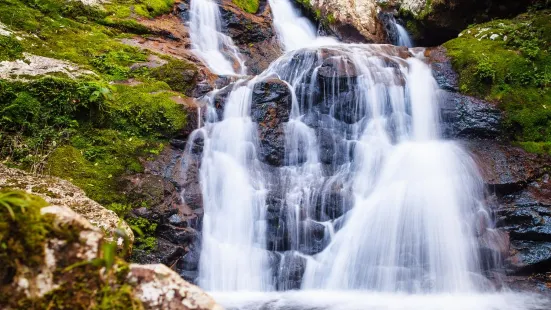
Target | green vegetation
(97,284)
(317,15)
(250,6)
(22,232)
(509,62)
(95,129)
(87,132)
(144,231)
(10,48)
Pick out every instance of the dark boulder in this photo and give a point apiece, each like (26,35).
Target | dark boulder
(468,117)
(253,34)
(270,109)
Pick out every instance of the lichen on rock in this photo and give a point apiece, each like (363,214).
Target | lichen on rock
(56,259)
(62,193)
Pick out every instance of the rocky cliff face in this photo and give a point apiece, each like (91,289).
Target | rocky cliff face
(430,22)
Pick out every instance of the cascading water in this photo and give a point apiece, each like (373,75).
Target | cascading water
(294,30)
(403,36)
(367,209)
(235,198)
(213,47)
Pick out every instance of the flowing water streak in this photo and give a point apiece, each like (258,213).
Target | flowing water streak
(234,199)
(294,30)
(403,36)
(209,43)
(414,199)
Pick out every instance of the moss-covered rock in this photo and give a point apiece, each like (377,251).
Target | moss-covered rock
(432,22)
(10,48)
(509,62)
(60,192)
(53,258)
(250,6)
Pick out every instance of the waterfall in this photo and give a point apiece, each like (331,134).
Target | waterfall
(403,36)
(209,43)
(294,30)
(367,207)
(234,200)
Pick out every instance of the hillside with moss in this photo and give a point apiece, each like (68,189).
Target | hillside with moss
(508,62)
(79,103)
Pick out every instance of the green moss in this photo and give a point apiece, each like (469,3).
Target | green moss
(93,130)
(178,74)
(147,109)
(82,284)
(22,234)
(95,161)
(43,189)
(143,8)
(85,287)
(509,62)
(145,232)
(10,48)
(125,25)
(250,6)
(87,132)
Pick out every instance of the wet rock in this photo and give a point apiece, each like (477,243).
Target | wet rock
(526,222)
(539,283)
(468,117)
(312,237)
(462,116)
(334,201)
(270,109)
(521,202)
(178,235)
(334,150)
(252,33)
(505,169)
(219,101)
(442,69)
(154,191)
(528,257)
(165,253)
(290,271)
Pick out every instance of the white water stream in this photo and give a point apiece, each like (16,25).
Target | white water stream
(400,210)
(403,36)
(209,43)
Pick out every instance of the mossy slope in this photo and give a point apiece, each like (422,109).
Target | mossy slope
(93,130)
(509,62)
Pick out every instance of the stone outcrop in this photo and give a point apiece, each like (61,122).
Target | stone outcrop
(270,109)
(71,254)
(33,65)
(430,22)
(351,21)
(158,287)
(519,191)
(62,193)
(517,182)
